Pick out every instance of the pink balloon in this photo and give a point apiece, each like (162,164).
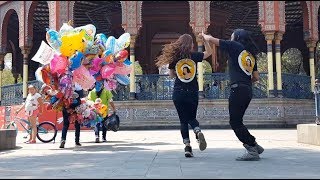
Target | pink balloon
(107,71)
(96,64)
(122,69)
(83,77)
(110,84)
(58,64)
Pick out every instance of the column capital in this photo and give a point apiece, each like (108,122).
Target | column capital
(269,36)
(278,36)
(25,49)
(311,44)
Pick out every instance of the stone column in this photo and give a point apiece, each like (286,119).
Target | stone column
(269,36)
(311,47)
(200,70)
(278,38)
(132,94)
(25,52)
(1,69)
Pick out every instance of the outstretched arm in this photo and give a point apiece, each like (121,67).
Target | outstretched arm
(211,39)
(208,49)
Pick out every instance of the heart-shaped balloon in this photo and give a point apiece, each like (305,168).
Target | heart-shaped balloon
(59,64)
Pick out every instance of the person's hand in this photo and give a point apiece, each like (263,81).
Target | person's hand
(205,36)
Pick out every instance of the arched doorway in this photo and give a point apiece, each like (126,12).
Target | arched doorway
(10,38)
(38,18)
(226,16)
(106,16)
(296,14)
(162,23)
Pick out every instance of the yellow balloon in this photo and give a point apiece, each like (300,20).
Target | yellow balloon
(72,43)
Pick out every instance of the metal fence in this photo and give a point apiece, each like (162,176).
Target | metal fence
(160,87)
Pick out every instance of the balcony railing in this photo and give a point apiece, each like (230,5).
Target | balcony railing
(160,87)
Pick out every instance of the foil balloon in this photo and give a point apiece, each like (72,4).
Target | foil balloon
(58,64)
(65,29)
(122,79)
(38,74)
(110,84)
(72,43)
(127,62)
(90,31)
(101,40)
(123,42)
(65,85)
(107,71)
(121,56)
(122,69)
(53,39)
(110,44)
(76,60)
(96,64)
(83,78)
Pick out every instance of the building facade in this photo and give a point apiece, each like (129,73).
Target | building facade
(144,19)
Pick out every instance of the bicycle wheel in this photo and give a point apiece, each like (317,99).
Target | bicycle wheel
(47,132)
(14,126)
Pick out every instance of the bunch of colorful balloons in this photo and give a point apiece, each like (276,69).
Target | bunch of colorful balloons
(80,56)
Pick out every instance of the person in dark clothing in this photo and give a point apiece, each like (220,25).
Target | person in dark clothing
(185,96)
(241,50)
(66,112)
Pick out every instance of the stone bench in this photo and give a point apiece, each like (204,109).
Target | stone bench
(7,139)
(309,134)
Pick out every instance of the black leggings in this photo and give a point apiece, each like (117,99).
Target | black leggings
(186,103)
(239,100)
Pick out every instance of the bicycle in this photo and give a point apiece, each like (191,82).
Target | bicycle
(46,131)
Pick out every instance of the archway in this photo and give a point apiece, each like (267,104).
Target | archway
(10,40)
(296,14)
(38,21)
(162,23)
(226,16)
(106,16)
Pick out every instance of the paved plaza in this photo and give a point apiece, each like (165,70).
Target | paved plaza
(160,154)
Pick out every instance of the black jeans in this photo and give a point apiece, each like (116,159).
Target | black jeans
(65,128)
(239,100)
(186,103)
(104,129)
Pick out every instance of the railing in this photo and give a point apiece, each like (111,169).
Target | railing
(160,87)
(296,86)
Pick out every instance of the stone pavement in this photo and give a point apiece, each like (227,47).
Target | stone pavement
(160,154)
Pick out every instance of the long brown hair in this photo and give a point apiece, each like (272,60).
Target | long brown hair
(172,51)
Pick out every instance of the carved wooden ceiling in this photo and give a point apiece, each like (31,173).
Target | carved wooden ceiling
(241,14)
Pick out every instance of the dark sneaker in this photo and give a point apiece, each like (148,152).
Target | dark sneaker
(188,151)
(104,140)
(250,155)
(78,144)
(259,148)
(97,140)
(201,141)
(63,142)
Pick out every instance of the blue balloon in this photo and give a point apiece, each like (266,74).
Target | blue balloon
(122,79)
(54,39)
(98,86)
(76,60)
(127,62)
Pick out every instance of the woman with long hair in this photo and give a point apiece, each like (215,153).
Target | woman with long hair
(179,55)
(241,49)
